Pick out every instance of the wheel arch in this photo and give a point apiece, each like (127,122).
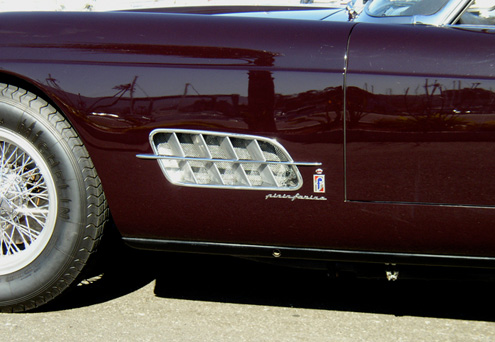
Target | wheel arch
(47,95)
(37,89)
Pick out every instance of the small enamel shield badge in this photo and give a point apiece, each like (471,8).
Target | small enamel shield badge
(319,181)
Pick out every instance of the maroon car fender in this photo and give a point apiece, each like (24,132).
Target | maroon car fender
(274,78)
(283,81)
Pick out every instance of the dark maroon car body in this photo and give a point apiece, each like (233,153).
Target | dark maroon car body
(401,118)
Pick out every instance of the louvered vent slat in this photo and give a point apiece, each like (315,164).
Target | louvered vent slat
(214,159)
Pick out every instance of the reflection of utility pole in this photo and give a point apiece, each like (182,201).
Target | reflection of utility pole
(51,81)
(131,88)
(432,100)
(187,87)
(124,88)
(131,92)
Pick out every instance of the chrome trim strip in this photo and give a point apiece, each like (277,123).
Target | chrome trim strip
(237,161)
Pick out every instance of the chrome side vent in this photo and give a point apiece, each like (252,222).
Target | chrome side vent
(214,159)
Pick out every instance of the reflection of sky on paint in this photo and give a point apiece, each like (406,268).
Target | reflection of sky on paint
(156,82)
(420,85)
(286,83)
(106,5)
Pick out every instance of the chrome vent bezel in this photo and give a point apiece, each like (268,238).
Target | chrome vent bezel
(209,159)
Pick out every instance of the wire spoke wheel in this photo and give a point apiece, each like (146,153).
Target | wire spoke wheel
(52,206)
(28,203)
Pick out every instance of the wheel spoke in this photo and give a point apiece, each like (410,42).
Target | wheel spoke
(26,230)
(5,148)
(27,207)
(8,240)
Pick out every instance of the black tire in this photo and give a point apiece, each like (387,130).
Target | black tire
(52,206)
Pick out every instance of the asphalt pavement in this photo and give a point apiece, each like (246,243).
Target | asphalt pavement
(144,296)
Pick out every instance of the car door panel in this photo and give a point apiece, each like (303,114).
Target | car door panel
(420,113)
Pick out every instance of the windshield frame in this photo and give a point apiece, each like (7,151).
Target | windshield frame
(405,5)
(447,15)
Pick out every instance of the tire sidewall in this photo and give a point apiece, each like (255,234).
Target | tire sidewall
(58,256)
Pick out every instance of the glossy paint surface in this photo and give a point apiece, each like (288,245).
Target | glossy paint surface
(421,130)
(118,76)
(236,75)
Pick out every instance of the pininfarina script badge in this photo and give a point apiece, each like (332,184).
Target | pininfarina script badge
(319,181)
(296,197)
